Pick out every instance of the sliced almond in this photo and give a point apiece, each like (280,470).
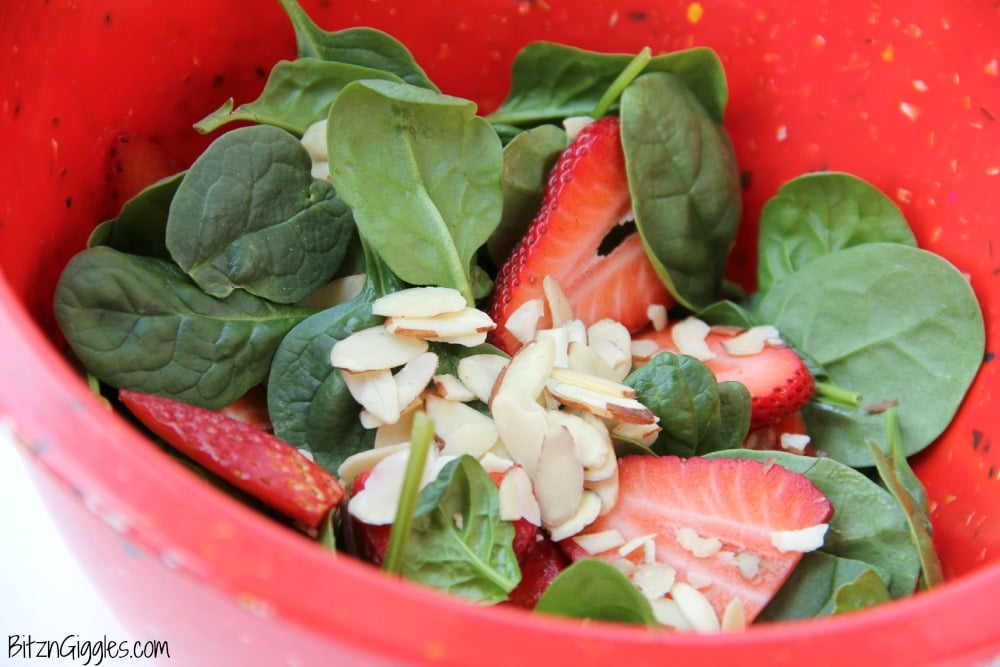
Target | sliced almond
(592,446)
(644,349)
(654,580)
(696,608)
(462,429)
(669,613)
(521,424)
(419,302)
(635,543)
(586,513)
(479,372)
(335,292)
(593,382)
(558,480)
(414,376)
(448,386)
(465,322)
(465,340)
(802,540)
(516,497)
(523,323)
(613,343)
(528,370)
(598,543)
(794,442)
(560,310)
(624,565)
(357,463)
(700,547)
(747,563)
(376,392)
(657,314)
(602,405)
(582,358)
(399,433)
(560,340)
(699,580)
(374,349)
(376,503)
(575,124)
(492,461)
(751,341)
(689,335)
(314,141)
(606,489)
(643,434)
(733,617)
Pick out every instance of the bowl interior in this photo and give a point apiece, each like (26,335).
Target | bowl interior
(902,94)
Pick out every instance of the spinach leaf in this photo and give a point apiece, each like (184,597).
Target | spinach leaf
(823,584)
(593,589)
(527,161)
(890,322)
(459,544)
(685,185)
(423,175)
(308,402)
(816,214)
(297,94)
(728,313)
(140,227)
(140,323)
(551,82)
(366,47)
(867,523)
(249,215)
(685,395)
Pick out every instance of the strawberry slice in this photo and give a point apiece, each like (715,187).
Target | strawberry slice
(250,459)
(134,162)
(586,200)
(370,542)
(540,564)
(251,408)
(684,504)
(778,380)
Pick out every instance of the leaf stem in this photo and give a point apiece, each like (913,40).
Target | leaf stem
(827,392)
(421,437)
(627,75)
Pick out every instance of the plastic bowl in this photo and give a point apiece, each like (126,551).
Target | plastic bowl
(904,94)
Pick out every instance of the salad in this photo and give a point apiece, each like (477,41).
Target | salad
(498,355)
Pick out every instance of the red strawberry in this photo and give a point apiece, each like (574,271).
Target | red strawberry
(134,162)
(256,462)
(778,380)
(586,198)
(539,566)
(370,542)
(740,502)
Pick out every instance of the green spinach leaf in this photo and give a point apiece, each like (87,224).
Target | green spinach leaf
(458,543)
(140,227)
(685,185)
(819,213)
(249,215)
(891,322)
(366,47)
(823,584)
(297,94)
(423,175)
(592,589)
(140,323)
(527,161)
(867,523)
(551,82)
(685,395)
(308,402)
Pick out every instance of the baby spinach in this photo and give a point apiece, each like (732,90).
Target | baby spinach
(141,225)
(551,82)
(140,323)
(366,47)
(249,215)
(595,590)
(308,402)
(892,322)
(685,185)
(867,524)
(297,94)
(697,414)
(458,543)
(816,214)
(527,161)
(422,173)
(823,584)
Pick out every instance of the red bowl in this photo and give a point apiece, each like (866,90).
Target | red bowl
(903,94)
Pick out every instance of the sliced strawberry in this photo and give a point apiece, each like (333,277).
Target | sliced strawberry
(256,462)
(251,408)
(778,380)
(370,542)
(586,199)
(739,502)
(134,162)
(540,564)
